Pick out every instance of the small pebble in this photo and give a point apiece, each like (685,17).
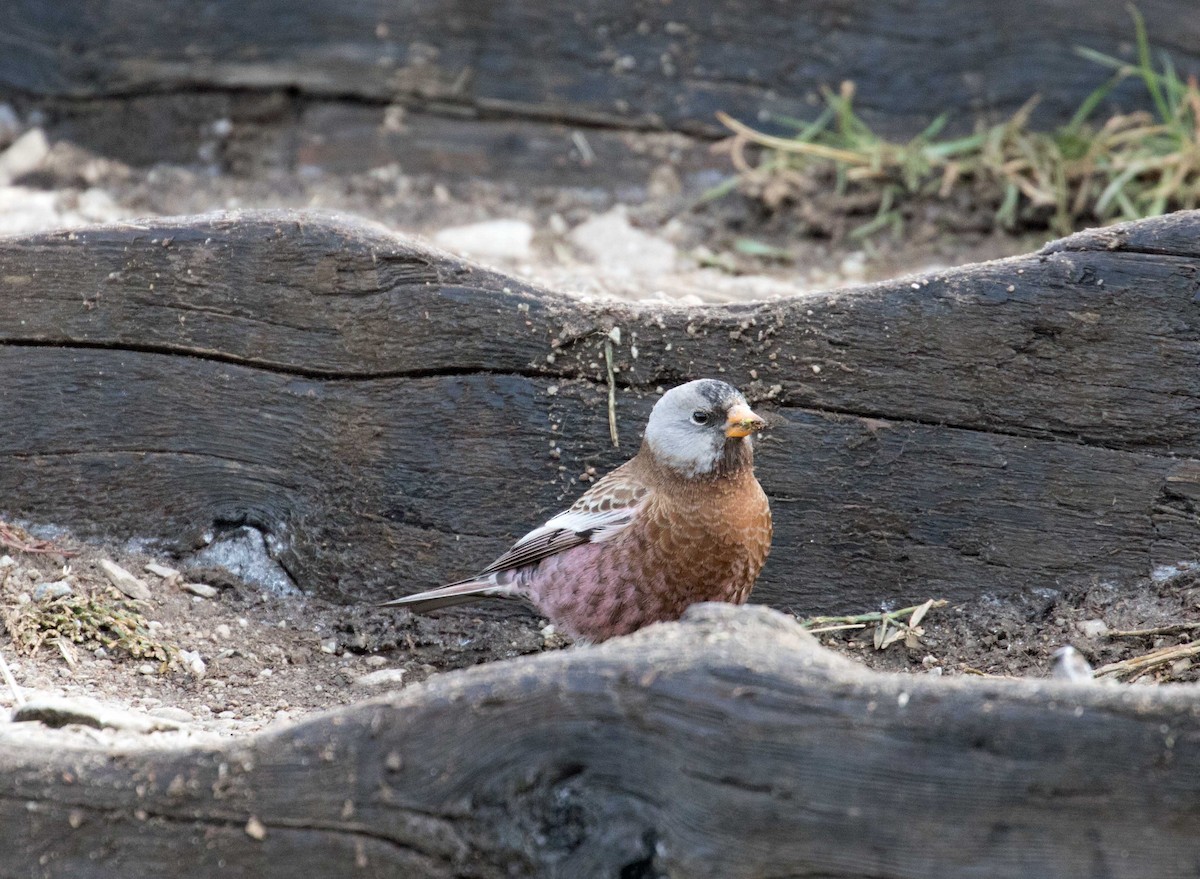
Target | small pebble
(223,631)
(57,589)
(161,571)
(10,125)
(385,677)
(1093,628)
(170,712)
(125,581)
(201,589)
(24,155)
(255,829)
(502,239)
(193,663)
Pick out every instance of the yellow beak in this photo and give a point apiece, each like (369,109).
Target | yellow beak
(742,422)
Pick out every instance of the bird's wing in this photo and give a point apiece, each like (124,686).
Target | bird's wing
(600,514)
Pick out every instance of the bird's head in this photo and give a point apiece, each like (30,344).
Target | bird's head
(694,427)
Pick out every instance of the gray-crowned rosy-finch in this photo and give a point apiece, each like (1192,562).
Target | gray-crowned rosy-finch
(683,521)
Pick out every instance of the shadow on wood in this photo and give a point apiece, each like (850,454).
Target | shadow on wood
(390,417)
(726,746)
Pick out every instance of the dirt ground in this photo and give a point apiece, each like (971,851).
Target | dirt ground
(242,659)
(658,241)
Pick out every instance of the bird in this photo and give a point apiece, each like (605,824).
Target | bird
(683,521)
(1070,665)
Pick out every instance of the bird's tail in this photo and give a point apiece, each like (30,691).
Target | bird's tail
(462,592)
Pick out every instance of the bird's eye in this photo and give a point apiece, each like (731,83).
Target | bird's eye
(700,417)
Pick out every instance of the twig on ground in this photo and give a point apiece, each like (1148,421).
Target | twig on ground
(16,539)
(1129,669)
(843,627)
(612,392)
(876,617)
(1173,629)
(6,672)
(891,626)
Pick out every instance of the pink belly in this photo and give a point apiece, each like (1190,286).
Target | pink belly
(600,590)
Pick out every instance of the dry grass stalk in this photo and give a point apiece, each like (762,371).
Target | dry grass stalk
(1131,166)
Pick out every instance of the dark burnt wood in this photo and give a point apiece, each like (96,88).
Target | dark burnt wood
(392,417)
(627,64)
(728,747)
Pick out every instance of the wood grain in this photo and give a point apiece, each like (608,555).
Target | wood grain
(727,746)
(633,64)
(391,417)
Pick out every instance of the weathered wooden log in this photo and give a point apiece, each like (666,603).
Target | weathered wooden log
(391,417)
(726,746)
(625,64)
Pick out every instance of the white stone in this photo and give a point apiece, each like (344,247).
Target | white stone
(493,239)
(96,205)
(26,154)
(385,677)
(245,554)
(201,589)
(610,240)
(24,211)
(57,589)
(125,581)
(10,124)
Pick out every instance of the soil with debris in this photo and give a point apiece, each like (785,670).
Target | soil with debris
(650,242)
(230,659)
(208,655)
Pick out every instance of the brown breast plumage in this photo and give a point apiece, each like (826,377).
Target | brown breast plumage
(694,539)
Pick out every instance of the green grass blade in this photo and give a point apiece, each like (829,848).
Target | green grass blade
(1123,67)
(1115,188)
(1146,65)
(722,189)
(950,148)
(934,128)
(1088,107)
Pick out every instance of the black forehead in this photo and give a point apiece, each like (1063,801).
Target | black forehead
(717,394)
